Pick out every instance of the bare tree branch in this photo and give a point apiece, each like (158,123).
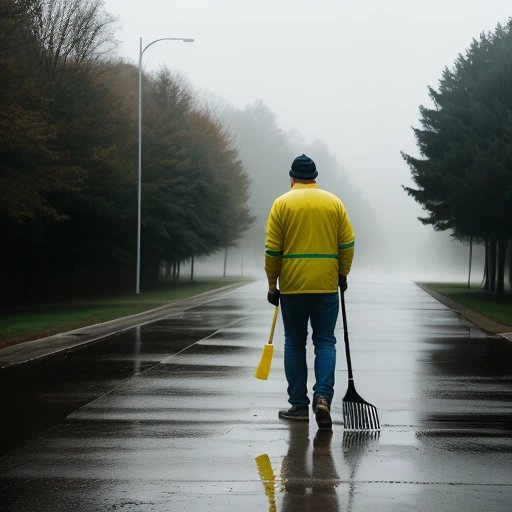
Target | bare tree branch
(72,32)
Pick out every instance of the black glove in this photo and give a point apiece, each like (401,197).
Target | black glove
(273,297)
(342,283)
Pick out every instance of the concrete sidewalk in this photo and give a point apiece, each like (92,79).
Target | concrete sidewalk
(51,345)
(484,323)
(197,431)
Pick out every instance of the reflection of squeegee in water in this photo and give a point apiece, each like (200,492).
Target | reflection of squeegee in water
(268,479)
(268,350)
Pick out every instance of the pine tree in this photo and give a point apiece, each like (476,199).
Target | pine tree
(464,175)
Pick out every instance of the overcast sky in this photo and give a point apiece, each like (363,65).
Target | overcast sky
(352,73)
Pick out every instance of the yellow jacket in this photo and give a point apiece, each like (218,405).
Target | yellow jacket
(309,241)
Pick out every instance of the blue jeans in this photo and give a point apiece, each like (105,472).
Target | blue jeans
(297,309)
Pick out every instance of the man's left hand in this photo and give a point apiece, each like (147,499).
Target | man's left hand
(273,296)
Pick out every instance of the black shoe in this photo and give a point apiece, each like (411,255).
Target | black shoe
(296,413)
(322,412)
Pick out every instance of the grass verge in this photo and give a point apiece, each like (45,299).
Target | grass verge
(43,320)
(486,304)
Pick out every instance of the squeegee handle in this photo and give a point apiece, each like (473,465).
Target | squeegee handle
(345,333)
(273,328)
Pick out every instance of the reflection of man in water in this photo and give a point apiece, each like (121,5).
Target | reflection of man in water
(309,479)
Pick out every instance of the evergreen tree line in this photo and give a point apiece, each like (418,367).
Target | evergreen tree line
(68,160)
(464,175)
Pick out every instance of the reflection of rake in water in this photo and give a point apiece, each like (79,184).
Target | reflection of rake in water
(358,441)
(358,414)
(355,446)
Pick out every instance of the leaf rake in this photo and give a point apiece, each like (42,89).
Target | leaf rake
(358,414)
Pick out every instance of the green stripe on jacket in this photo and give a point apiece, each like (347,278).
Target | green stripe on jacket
(336,256)
(277,254)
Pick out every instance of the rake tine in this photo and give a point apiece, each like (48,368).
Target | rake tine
(374,419)
(376,416)
(369,418)
(366,419)
(377,422)
(360,416)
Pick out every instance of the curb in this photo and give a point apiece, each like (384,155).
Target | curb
(484,323)
(31,350)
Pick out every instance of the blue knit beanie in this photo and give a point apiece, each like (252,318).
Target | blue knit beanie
(303,168)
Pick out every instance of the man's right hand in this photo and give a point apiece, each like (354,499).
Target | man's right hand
(342,283)
(273,296)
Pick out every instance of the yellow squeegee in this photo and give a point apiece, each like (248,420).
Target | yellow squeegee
(268,350)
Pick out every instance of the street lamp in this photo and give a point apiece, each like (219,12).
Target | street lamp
(139,190)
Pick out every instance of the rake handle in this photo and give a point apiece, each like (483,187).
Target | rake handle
(345,333)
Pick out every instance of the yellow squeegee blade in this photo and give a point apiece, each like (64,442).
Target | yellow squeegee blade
(268,350)
(266,360)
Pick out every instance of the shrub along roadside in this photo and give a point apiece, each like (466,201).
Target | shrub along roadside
(47,319)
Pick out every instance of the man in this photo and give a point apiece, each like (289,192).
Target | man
(309,249)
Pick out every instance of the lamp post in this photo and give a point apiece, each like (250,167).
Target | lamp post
(139,187)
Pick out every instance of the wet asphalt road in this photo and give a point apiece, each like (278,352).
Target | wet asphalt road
(168,417)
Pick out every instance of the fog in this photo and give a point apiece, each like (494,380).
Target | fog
(350,74)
